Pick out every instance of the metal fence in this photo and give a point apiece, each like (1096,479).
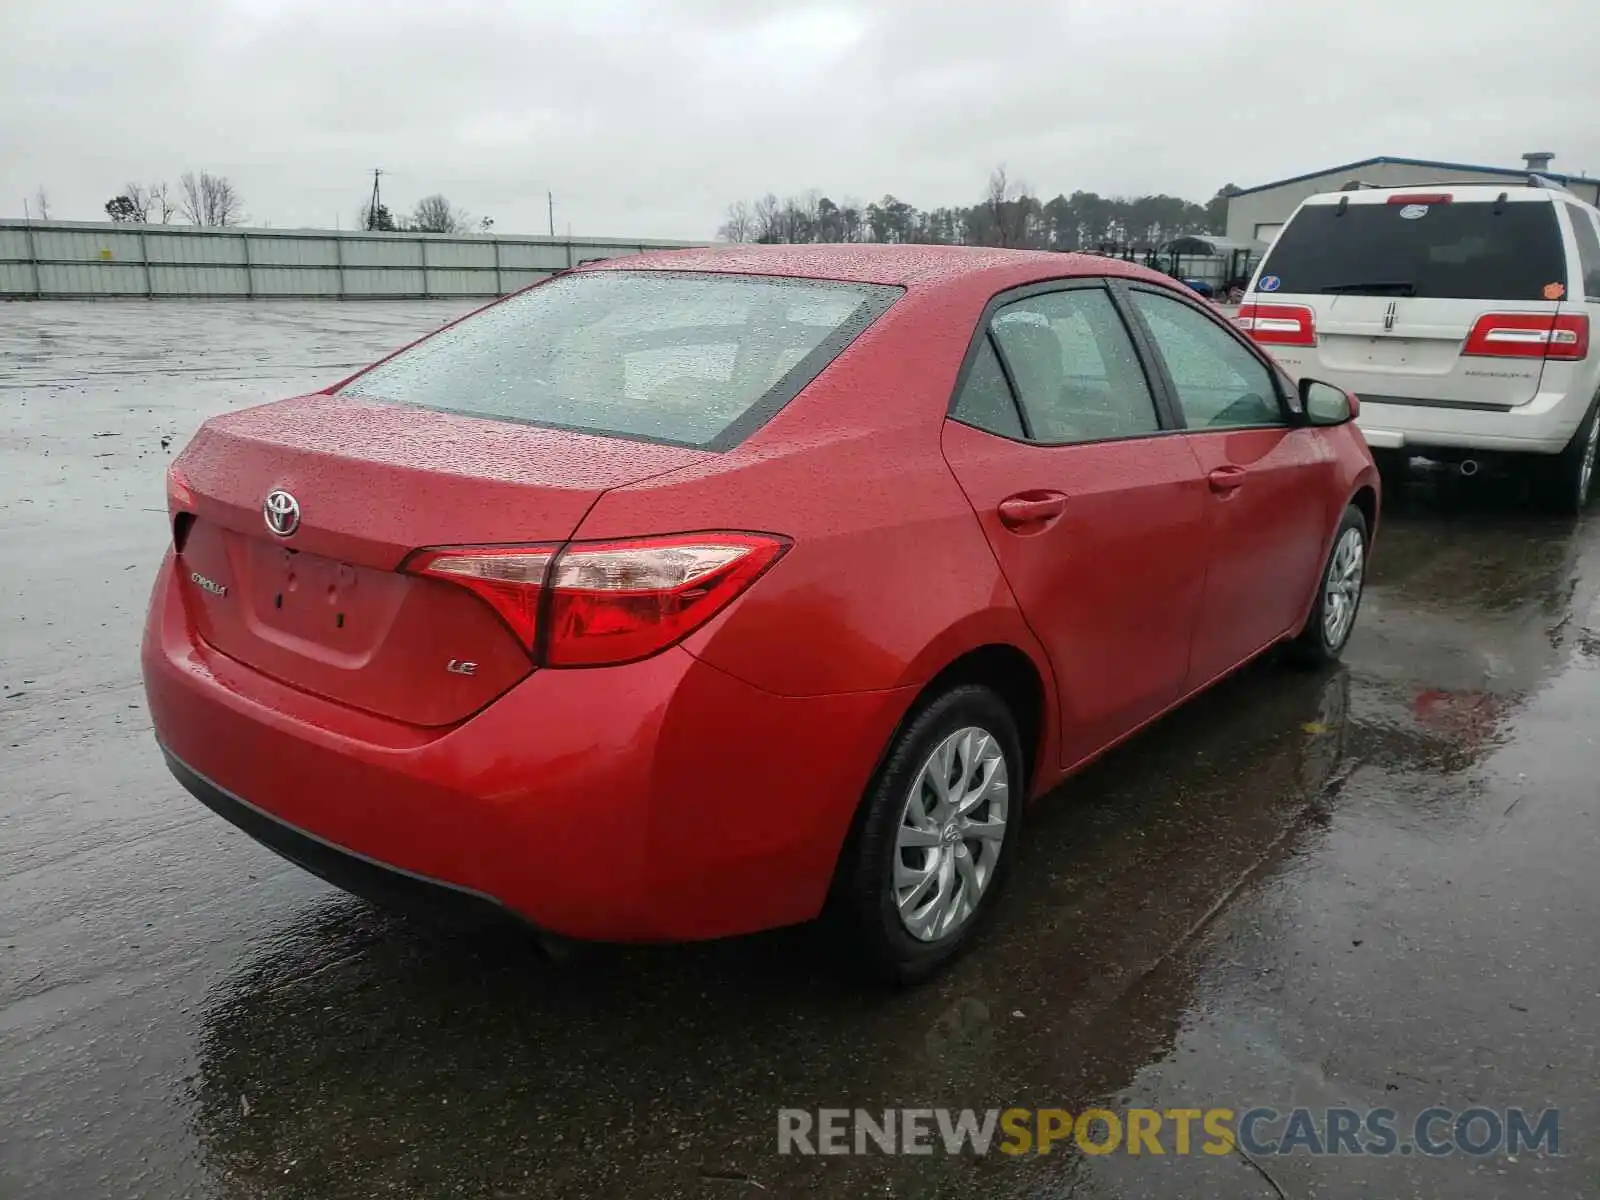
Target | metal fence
(88,260)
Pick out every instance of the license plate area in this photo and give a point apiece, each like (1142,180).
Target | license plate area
(300,593)
(319,606)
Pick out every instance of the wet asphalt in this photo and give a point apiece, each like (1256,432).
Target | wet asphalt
(1373,886)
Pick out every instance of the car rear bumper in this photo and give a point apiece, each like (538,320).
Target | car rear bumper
(1543,426)
(662,800)
(365,877)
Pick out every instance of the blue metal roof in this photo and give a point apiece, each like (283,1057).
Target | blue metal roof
(1417,162)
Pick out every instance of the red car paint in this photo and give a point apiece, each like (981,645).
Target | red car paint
(706,788)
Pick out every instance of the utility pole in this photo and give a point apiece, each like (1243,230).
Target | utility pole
(550,198)
(372,208)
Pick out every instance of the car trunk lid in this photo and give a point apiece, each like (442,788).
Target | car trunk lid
(326,608)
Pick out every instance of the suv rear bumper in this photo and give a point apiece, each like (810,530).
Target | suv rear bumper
(1542,426)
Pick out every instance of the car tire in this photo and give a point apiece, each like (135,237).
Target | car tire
(1339,589)
(907,834)
(1563,483)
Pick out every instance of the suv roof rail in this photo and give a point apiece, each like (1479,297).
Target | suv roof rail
(1530,180)
(1544,181)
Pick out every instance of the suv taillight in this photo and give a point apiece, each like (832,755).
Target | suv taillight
(1563,336)
(1278,324)
(600,603)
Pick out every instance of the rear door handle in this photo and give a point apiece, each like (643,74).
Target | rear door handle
(1227,479)
(1031,508)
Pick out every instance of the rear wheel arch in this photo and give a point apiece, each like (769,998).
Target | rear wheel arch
(1014,677)
(1013,674)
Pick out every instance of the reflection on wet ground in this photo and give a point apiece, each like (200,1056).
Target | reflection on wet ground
(1366,887)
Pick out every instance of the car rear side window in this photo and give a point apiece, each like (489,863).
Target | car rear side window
(985,400)
(1588,250)
(1074,367)
(1461,250)
(692,359)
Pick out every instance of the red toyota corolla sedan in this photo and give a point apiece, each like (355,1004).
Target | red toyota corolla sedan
(709,591)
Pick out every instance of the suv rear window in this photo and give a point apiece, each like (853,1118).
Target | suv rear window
(1460,251)
(692,359)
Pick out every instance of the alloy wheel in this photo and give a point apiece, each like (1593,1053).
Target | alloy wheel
(951,832)
(1342,588)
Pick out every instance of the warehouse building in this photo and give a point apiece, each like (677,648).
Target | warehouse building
(1256,214)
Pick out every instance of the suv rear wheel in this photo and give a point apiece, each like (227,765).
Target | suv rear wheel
(1564,482)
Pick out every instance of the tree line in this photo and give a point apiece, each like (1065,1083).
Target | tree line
(214,201)
(201,199)
(1007,215)
(431,214)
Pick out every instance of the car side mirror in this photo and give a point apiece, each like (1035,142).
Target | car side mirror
(1325,404)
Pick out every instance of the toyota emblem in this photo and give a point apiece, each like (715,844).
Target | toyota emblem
(282,512)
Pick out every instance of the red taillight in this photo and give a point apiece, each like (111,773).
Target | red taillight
(1421,198)
(593,603)
(510,578)
(180,506)
(619,601)
(180,497)
(1563,336)
(1278,324)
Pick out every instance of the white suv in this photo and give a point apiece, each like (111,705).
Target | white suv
(1459,315)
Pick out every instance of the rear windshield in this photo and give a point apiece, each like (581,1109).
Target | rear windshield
(1463,251)
(695,360)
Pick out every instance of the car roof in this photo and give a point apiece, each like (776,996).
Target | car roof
(909,266)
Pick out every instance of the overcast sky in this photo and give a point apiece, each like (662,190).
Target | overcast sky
(646,118)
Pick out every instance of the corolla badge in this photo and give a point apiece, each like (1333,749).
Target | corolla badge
(209,585)
(281,511)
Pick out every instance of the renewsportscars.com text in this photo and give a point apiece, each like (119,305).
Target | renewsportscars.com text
(1433,1132)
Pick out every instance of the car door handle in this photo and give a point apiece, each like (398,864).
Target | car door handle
(1227,479)
(1031,508)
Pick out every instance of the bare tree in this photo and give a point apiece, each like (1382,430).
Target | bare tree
(41,204)
(159,205)
(768,219)
(132,204)
(434,214)
(740,225)
(850,219)
(996,202)
(210,200)
(801,215)
(1010,216)
(138,203)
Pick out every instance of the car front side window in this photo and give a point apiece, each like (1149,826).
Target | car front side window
(1218,383)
